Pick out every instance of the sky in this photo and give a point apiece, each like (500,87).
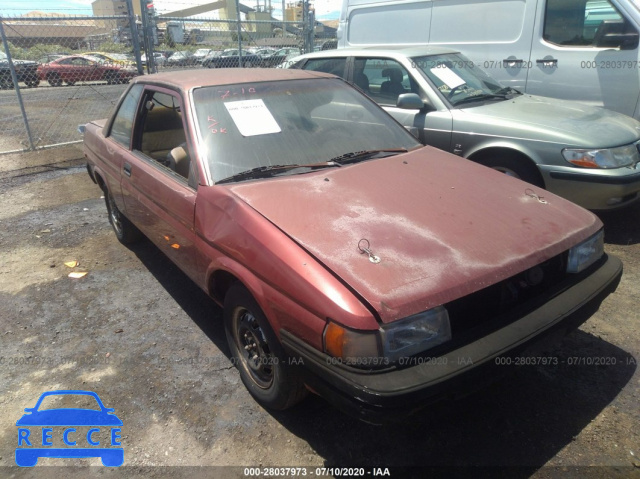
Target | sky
(325,9)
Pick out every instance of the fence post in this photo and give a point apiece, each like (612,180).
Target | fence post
(239,30)
(135,39)
(14,77)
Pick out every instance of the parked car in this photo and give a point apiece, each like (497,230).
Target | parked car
(263,52)
(200,54)
(281,56)
(570,49)
(49,57)
(585,154)
(26,71)
(350,260)
(75,68)
(181,59)
(230,58)
(158,58)
(113,58)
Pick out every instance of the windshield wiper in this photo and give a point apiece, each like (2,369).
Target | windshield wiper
(510,92)
(363,155)
(481,97)
(273,170)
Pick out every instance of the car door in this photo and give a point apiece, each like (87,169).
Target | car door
(159,193)
(118,143)
(572,59)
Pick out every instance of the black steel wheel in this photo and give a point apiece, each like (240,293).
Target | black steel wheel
(54,79)
(125,231)
(265,369)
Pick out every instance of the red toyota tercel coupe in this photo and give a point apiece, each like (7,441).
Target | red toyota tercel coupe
(350,260)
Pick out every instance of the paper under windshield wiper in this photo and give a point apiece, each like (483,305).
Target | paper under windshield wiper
(272,170)
(482,97)
(362,155)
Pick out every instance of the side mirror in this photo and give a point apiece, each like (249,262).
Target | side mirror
(410,101)
(611,34)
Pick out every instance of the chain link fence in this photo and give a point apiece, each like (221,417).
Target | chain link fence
(60,71)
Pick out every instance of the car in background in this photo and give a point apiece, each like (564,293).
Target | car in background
(158,58)
(281,56)
(49,57)
(230,58)
(585,154)
(26,71)
(113,58)
(200,54)
(181,58)
(263,52)
(350,260)
(81,68)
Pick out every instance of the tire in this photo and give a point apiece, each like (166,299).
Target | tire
(32,83)
(517,167)
(264,367)
(6,83)
(111,78)
(125,231)
(54,79)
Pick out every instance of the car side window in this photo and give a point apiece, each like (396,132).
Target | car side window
(583,23)
(161,133)
(335,66)
(123,121)
(386,79)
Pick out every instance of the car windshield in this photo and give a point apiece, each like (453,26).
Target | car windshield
(460,81)
(293,122)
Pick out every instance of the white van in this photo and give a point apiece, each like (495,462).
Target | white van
(583,50)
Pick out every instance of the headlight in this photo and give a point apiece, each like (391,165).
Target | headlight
(402,338)
(604,158)
(586,253)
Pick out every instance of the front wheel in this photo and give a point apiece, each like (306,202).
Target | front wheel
(125,231)
(517,167)
(265,368)
(111,78)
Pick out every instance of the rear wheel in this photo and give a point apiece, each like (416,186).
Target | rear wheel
(112,78)
(54,79)
(265,368)
(125,231)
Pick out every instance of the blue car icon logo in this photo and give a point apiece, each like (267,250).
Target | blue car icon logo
(32,445)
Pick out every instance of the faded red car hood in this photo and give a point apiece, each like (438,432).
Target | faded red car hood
(442,226)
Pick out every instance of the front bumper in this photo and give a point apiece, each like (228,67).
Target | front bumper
(591,188)
(375,396)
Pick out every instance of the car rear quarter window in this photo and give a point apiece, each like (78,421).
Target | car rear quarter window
(335,66)
(123,122)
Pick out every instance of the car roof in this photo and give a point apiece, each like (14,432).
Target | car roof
(405,51)
(189,79)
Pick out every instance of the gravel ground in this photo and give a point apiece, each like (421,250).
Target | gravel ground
(136,331)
